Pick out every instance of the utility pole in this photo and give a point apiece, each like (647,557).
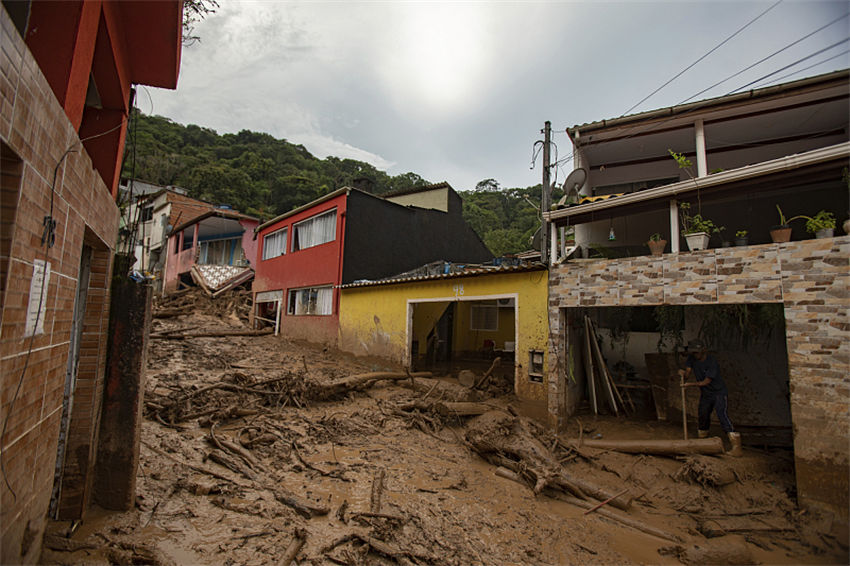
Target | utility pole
(545,201)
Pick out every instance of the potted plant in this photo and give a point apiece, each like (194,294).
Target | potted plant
(822,224)
(741,238)
(696,229)
(656,244)
(781,232)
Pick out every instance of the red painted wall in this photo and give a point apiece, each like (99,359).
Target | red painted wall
(312,267)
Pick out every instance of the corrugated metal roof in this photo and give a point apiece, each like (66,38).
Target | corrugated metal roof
(474,272)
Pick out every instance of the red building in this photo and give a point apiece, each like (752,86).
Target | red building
(349,235)
(66,71)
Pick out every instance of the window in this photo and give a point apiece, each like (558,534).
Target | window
(311,301)
(484,316)
(221,252)
(314,231)
(274,244)
(188,237)
(146,214)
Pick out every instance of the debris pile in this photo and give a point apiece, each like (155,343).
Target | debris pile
(259,450)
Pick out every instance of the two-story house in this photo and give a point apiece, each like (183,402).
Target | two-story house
(775,314)
(347,236)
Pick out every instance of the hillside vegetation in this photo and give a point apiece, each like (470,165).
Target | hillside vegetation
(264,176)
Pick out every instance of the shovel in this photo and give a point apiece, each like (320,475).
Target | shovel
(684,407)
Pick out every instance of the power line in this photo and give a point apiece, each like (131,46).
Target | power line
(718,46)
(836,44)
(813,65)
(760,61)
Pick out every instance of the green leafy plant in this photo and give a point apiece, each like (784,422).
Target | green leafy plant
(823,220)
(682,161)
(696,222)
(741,234)
(783,222)
(655,237)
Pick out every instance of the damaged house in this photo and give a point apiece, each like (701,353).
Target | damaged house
(350,235)
(774,313)
(67,70)
(453,321)
(215,250)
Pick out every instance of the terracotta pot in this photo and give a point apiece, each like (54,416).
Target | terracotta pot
(780,234)
(657,247)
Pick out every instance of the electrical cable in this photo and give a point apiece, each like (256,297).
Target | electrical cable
(718,46)
(760,61)
(836,44)
(47,241)
(813,65)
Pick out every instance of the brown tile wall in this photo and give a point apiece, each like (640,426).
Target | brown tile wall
(810,277)
(38,133)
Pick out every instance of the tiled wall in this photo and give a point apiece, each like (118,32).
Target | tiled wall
(36,129)
(811,278)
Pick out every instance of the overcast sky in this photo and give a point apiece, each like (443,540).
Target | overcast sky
(460,91)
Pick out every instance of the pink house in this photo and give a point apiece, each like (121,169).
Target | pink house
(219,242)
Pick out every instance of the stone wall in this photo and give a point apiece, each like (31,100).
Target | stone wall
(36,134)
(811,278)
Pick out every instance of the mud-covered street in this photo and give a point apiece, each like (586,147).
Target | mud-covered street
(257,450)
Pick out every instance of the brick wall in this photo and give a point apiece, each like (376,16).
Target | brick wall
(37,133)
(811,278)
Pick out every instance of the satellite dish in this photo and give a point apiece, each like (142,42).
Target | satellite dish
(574,182)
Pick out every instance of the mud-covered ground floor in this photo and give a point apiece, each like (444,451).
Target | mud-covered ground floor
(257,450)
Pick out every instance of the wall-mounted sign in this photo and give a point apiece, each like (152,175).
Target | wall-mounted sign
(37,305)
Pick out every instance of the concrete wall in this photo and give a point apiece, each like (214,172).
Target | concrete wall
(36,131)
(810,278)
(374,319)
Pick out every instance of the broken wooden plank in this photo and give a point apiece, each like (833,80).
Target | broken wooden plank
(588,370)
(660,447)
(302,506)
(603,378)
(620,518)
(377,490)
(211,334)
(298,540)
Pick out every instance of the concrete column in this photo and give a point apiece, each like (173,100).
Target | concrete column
(702,164)
(121,419)
(674,226)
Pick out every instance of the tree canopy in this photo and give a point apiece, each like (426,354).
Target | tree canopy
(263,176)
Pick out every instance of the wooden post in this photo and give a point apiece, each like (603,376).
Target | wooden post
(684,407)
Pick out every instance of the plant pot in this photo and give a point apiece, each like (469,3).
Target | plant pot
(697,240)
(780,234)
(846,226)
(824,233)
(742,241)
(726,244)
(657,247)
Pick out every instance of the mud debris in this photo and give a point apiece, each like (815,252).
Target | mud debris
(258,450)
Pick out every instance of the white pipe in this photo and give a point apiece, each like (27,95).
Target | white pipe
(553,249)
(674,226)
(702,166)
(277,317)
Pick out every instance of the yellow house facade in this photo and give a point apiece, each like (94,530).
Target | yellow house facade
(454,321)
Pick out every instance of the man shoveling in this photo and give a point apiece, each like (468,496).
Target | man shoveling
(713,393)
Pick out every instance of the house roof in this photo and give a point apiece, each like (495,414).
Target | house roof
(749,96)
(476,271)
(216,213)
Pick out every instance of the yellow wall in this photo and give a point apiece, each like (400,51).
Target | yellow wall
(373,319)
(437,199)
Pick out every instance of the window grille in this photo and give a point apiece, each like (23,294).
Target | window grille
(484,316)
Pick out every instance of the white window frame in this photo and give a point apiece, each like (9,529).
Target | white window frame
(484,316)
(272,244)
(310,301)
(314,231)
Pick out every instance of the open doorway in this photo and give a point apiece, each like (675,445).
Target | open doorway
(447,336)
(643,347)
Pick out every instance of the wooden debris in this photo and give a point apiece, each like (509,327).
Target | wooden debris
(620,518)
(377,490)
(302,506)
(211,334)
(486,377)
(597,506)
(298,540)
(660,447)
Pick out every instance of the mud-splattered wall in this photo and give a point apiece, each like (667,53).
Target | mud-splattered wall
(811,278)
(374,319)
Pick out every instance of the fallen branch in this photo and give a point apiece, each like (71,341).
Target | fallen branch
(595,507)
(299,538)
(487,374)
(628,521)
(377,489)
(302,506)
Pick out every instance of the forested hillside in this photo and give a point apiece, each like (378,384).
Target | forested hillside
(263,176)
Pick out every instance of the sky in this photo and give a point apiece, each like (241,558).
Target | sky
(460,91)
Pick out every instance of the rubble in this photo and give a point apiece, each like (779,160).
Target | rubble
(258,450)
